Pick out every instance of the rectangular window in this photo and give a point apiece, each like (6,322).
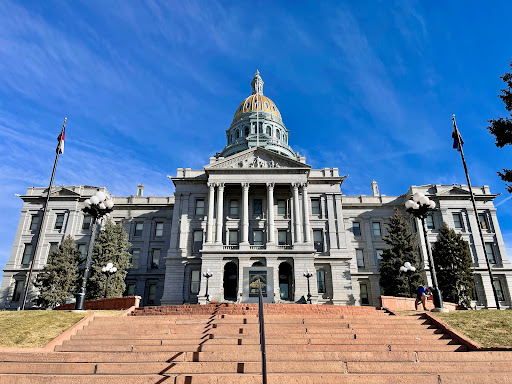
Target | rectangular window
(200,207)
(378,256)
(233,237)
(151,294)
(430,222)
(281,207)
(135,258)
(258,237)
(489,251)
(198,240)
(54,247)
(155,258)
(363,288)
(282,237)
(18,289)
(34,222)
(27,254)
(457,220)
(130,290)
(159,229)
(356,228)
(499,289)
(139,227)
(318,240)
(320,280)
(315,206)
(482,220)
(86,224)
(258,207)
(233,207)
(376,228)
(59,221)
(194,282)
(360,259)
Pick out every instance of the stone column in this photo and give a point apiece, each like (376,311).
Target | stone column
(220,211)
(270,215)
(305,201)
(296,213)
(211,202)
(245,213)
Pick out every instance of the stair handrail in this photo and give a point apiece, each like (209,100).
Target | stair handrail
(261,320)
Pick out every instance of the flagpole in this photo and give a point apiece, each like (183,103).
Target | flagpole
(476,212)
(45,208)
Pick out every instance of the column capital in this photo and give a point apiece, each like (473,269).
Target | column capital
(220,185)
(304,185)
(246,185)
(270,185)
(211,185)
(295,185)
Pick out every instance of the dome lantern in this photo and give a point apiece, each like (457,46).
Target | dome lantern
(257,84)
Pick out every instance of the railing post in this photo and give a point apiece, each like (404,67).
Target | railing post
(261,320)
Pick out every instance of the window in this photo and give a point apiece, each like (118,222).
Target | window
(430,222)
(233,237)
(363,288)
(59,221)
(194,282)
(135,258)
(138,229)
(489,252)
(34,222)
(320,280)
(54,247)
(200,207)
(315,206)
(499,289)
(86,224)
(246,131)
(130,290)
(360,259)
(281,207)
(457,220)
(18,289)
(27,254)
(155,257)
(151,294)
(159,229)
(233,207)
(198,240)
(376,228)
(258,207)
(356,228)
(83,249)
(378,256)
(482,220)
(258,237)
(282,237)
(318,241)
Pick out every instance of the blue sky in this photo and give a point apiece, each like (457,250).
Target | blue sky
(150,86)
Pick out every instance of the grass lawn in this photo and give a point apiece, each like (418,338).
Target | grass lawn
(36,328)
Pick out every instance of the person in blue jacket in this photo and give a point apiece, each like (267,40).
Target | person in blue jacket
(422,294)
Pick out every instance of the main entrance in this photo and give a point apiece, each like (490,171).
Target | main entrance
(230,281)
(285,281)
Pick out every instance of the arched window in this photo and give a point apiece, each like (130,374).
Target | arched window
(269,130)
(278,134)
(237,133)
(246,131)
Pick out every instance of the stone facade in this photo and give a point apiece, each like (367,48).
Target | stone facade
(258,204)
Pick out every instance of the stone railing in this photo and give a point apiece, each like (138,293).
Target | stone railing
(407,304)
(230,247)
(102,304)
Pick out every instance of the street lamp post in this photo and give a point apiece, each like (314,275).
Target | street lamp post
(207,274)
(97,206)
(408,269)
(108,270)
(419,206)
(307,275)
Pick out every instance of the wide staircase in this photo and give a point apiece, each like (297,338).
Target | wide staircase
(220,344)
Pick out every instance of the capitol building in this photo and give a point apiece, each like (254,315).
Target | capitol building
(257,210)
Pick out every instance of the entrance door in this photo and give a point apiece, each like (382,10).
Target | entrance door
(230,281)
(285,281)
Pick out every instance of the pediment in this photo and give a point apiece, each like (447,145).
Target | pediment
(453,191)
(62,191)
(256,158)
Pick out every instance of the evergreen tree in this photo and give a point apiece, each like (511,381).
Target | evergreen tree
(401,249)
(60,276)
(111,246)
(502,128)
(453,262)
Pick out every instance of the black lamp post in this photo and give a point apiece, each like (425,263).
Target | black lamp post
(108,270)
(97,206)
(308,275)
(419,206)
(408,269)
(207,274)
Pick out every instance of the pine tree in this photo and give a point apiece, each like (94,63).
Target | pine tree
(111,246)
(59,278)
(453,262)
(401,249)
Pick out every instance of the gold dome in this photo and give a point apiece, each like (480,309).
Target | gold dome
(257,102)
